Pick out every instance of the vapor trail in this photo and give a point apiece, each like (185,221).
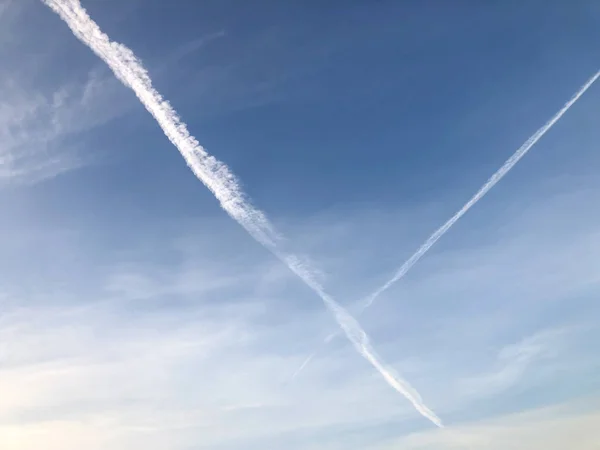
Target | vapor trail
(222,183)
(489,184)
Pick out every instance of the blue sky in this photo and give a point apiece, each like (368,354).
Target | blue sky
(134,313)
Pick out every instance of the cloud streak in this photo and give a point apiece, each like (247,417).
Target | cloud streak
(220,181)
(37,127)
(489,184)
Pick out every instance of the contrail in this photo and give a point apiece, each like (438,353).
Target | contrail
(218,178)
(489,184)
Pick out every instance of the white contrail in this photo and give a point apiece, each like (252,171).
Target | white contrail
(489,184)
(217,177)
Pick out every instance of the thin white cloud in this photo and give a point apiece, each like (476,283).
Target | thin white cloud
(221,182)
(122,375)
(489,184)
(34,125)
(513,361)
(192,47)
(194,373)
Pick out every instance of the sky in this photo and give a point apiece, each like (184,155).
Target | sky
(135,313)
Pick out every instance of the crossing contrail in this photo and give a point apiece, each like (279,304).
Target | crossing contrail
(220,180)
(489,184)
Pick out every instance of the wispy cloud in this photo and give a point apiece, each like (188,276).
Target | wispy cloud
(138,348)
(222,183)
(192,47)
(35,126)
(148,375)
(513,361)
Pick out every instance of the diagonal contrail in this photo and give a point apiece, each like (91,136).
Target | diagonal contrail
(222,183)
(489,184)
